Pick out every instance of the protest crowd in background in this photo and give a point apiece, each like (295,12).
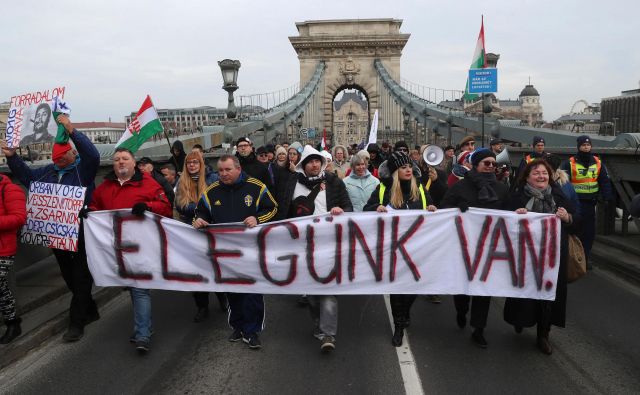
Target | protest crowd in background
(289,180)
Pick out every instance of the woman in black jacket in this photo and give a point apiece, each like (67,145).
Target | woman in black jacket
(401,190)
(479,188)
(537,192)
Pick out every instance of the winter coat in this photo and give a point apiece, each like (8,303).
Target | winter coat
(168,189)
(528,312)
(340,169)
(438,188)
(141,188)
(256,169)
(13,215)
(360,189)
(180,158)
(464,194)
(634,210)
(337,195)
(562,179)
(374,199)
(83,175)
(247,197)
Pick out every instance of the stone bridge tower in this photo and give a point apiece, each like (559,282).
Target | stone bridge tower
(348,47)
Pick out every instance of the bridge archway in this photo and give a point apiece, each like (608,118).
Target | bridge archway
(351,119)
(349,48)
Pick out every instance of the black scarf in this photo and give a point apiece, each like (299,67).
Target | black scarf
(311,182)
(584,158)
(484,183)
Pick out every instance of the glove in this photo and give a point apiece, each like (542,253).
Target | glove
(463,206)
(84,212)
(139,209)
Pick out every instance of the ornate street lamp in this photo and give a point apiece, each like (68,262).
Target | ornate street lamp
(229,70)
(405,118)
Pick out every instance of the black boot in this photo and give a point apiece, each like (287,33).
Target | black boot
(543,340)
(478,338)
(201,315)
(13,330)
(398,334)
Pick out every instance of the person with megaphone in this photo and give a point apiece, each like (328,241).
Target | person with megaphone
(400,189)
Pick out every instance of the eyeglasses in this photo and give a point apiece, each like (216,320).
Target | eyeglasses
(470,143)
(489,163)
(263,155)
(243,145)
(403,149)
(193,162)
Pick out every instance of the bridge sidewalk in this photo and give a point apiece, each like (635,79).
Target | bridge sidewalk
(619,254)
(43,303)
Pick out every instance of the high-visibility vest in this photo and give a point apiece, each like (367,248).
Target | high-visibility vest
(585,179)
(423,196)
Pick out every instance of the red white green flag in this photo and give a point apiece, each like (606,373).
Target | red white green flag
(323,143)
(142,127)
(478,62)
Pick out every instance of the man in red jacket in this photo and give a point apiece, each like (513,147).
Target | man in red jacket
(13,214)
(127,187)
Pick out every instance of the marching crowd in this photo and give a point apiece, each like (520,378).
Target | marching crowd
(273,182)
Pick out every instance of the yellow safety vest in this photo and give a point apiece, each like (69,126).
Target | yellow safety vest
(585,179)
(420,187)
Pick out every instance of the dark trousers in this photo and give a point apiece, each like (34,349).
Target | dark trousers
(588,212)
(246,312)
(75,271)
(401,309)
(479,308)
(202,299)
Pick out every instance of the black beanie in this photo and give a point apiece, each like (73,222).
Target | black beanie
(537,139)
(583,139)
(478,155)
(397,160)
(373,147)
(400,144)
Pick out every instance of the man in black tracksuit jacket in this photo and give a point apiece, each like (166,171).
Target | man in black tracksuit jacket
(236,197)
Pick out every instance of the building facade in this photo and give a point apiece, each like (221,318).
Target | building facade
(101,132)
(526,108)
(179,121)
(622,112)
(350,119)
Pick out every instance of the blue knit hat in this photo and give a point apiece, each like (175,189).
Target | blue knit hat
(480,154)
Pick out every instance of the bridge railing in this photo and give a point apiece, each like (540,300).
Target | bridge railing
(256,105)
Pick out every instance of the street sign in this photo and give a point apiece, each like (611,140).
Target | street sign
(483,80)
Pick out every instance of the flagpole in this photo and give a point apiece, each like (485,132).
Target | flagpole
(175,161)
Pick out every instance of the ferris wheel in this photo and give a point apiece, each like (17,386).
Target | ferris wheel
(579,107)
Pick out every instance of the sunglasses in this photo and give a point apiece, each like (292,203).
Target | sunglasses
(489,163)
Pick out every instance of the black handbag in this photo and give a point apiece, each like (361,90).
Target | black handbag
(303,206)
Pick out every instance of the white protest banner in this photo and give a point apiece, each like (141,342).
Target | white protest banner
(52,215)
(30,119)
(373,133)
(480,252)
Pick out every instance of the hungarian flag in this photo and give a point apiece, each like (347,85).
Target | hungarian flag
(323,143)
(141,128)
(478,62)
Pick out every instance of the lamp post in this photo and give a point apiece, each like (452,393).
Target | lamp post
(229,70)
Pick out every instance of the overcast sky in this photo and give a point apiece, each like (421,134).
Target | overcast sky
(110,54)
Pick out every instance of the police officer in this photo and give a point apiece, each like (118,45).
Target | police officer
(537,153)
(591,181)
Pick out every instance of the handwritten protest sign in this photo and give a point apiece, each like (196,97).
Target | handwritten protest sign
(30,119)
(52,215)
(479,252)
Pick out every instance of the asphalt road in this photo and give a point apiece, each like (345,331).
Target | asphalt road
(598,352)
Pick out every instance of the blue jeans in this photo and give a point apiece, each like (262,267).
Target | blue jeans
(141,299)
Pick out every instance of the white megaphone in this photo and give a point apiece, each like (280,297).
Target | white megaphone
(433,155)
(503,158)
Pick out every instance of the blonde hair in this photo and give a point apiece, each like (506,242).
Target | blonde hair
(188,190)
(396,199)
